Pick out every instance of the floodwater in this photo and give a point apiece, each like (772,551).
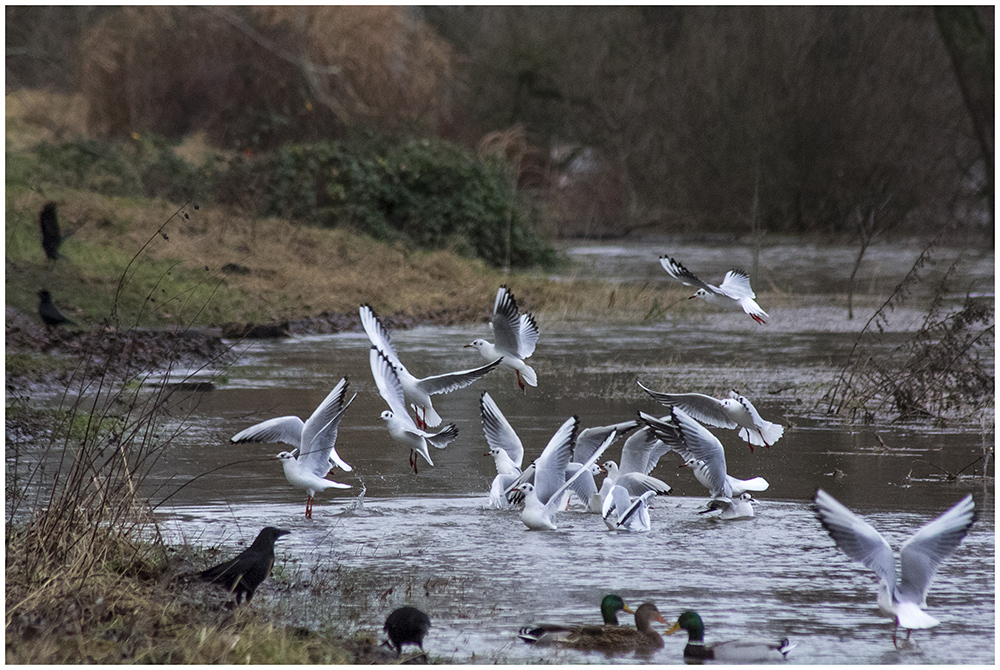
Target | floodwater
(428,540)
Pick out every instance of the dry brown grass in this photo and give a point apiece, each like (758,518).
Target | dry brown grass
(43,116)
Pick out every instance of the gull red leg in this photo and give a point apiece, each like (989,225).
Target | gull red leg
(519,381)
(762,438)
(309,507)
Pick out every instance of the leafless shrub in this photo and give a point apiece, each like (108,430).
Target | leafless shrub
(942,372)
(77,496)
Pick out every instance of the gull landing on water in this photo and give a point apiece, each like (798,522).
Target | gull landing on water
(902,600)
(734,293)
(418,391)
(314,454)
(515,334)
(401,427)
(543,498)
(732,412)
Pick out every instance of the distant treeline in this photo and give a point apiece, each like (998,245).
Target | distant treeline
(660,119)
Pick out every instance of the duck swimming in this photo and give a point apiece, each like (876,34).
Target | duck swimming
(732,651)
(621,639)
(550,633)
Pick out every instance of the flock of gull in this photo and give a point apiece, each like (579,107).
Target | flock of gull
(570,463)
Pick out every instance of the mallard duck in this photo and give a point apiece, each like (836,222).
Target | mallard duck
(548,633)
(732,651)
(610,639)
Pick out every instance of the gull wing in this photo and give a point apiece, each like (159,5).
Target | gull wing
(618,499)
(378,334)
(331,407)
(742,485)
(389,387)
(452,381)
(498,431)
(702,407)
(856,537)
(284,429)
(554,499)
(923,553)
(528,475)
(688,436)
(583,486)
(638,506)
(736,285)
(527,335)
(506,323)
(550,474)
(681,273)
(637,483)
(590,439)
(641,452)
(316,457)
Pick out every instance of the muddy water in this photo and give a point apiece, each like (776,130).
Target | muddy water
(427,539)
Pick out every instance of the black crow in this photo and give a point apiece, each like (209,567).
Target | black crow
(244,573)
(51,316)
(407,625)
(51,238)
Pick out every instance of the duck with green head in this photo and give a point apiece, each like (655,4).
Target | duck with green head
(550,633)
(609,638)
(732,651)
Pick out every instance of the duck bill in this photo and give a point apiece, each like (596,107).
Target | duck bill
(673,629)
(628,609)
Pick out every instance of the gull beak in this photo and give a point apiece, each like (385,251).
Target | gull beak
(468,346)
(673,629)
(692,297)
(683,465)
(486,454)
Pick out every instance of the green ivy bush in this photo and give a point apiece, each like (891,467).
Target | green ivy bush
(430,193)
(146,165)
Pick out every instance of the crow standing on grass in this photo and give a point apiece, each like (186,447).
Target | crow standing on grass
(244,573)
(50,314)
(51,237)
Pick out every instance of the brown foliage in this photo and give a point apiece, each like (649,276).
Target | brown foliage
(253,78)
(393,70)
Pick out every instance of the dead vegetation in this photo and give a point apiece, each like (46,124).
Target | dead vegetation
(942,372)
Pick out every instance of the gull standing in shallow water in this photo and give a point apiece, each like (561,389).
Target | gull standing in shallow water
(314,454)
(418,391)
(542,498)
(515,334)
(400,425)
(732,412)
(734,293)
(902,600)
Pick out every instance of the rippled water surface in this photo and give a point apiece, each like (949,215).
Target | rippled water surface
(428,540)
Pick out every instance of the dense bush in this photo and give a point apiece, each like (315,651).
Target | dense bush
(144,166)
(425,193)
(429,193)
